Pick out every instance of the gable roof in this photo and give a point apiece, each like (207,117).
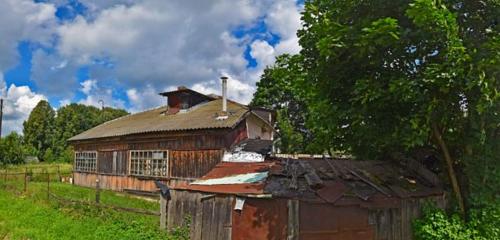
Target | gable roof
(202,116)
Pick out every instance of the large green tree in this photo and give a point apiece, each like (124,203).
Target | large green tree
(384,77)
(387,76)
(277,90)
(39,128)
(77,118)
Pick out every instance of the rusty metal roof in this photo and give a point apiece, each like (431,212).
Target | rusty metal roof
(233,178)
(202,116)
(343,182)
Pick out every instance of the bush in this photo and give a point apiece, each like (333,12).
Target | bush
(435,224)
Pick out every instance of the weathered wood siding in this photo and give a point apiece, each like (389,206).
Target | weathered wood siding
(113,162)
(120,183)
(210,215)
(193,164)
(396,223)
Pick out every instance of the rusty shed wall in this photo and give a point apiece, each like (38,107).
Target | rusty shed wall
(325,221)
(213,217)
(260,219)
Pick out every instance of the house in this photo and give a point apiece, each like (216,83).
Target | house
(176,143)
(306,198)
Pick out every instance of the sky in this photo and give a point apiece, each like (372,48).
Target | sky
(125,52)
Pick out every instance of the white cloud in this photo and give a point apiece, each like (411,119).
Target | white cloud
(23,20)
(263,53)
(97,95)
(88,85)
(236,90)
(18,103)
(284,20)
(146,45)
(162,42)
(64,102)
(145,98)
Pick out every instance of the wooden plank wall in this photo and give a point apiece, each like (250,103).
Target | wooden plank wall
(193,164)
(396,223)
(119,183)
(210,214)
(108,163)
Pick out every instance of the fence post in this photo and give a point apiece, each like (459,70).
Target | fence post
(48,186)
(59,172)
(5,178)
(163,212)
(97,191)
(25,179)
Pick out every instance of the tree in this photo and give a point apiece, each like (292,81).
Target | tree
(74,119)
(276,90)
(39,128)
(387,76)
(11,149)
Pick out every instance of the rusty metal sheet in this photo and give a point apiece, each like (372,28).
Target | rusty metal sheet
(228,169)
(260,219)
(325,221)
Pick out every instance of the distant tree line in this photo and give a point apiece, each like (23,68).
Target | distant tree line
(46,131)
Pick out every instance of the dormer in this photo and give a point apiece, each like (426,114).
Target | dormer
(184,98)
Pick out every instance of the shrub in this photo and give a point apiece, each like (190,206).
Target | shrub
(436,224)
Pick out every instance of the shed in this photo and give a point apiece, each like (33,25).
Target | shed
(314,198)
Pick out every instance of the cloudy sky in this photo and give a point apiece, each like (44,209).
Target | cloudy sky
(124,52)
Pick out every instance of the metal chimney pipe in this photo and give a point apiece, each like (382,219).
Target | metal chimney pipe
(224,94)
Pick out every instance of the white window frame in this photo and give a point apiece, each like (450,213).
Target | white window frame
(144,163)
(86,161)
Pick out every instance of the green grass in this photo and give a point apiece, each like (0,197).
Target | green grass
(40,167)
(28,215)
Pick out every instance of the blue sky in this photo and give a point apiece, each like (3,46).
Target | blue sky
(124,52)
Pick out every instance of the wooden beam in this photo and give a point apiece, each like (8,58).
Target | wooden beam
(366,180)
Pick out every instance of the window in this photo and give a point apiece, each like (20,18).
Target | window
(113,162)
(86,161)
(149,163)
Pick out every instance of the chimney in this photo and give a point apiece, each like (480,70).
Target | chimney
(224,94)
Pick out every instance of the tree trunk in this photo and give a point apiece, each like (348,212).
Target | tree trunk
(449,163)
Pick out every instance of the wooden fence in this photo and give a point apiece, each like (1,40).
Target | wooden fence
(15,180)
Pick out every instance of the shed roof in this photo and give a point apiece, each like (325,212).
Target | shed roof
(202,116)
(341,181)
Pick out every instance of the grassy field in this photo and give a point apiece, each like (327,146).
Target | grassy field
(29,215)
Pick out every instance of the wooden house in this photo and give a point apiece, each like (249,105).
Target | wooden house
(176,143)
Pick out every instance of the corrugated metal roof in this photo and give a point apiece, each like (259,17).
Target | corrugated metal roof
(202,116)
(251,179)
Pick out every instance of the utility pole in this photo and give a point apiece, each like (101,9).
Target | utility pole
(1,115)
